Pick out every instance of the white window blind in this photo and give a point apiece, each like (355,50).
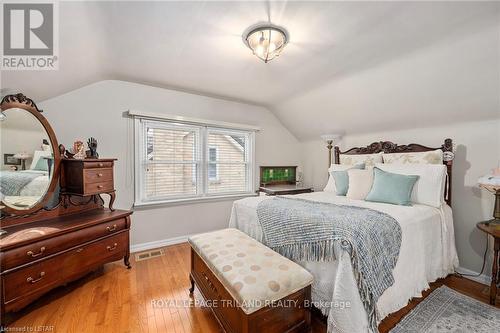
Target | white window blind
(178,161)
(229,161)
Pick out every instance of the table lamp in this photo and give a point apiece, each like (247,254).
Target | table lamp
(492,184)
(23,157)
(330,139)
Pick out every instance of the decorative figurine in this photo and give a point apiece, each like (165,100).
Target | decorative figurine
(78,150)
(92,152)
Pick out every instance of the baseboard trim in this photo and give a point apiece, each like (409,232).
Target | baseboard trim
(159,243)
(483,278)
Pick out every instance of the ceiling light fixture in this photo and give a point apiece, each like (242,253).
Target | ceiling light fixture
(266,41)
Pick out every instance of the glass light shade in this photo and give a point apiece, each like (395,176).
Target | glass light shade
(267,42)
(331,137)
(22,156)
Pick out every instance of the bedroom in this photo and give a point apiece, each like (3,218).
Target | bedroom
(185,112)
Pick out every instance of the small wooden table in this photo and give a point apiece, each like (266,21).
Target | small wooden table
(285,189)
(493,229)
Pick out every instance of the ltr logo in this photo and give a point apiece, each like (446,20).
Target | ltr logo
(28,36)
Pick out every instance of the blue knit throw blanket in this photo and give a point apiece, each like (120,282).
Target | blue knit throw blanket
(12,182)
(307,230)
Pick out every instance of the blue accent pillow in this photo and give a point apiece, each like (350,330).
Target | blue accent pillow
(342,179)
(391,188)
(42,164)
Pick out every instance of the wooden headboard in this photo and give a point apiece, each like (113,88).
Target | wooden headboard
(389,147)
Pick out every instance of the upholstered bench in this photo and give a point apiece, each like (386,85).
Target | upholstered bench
(249,287)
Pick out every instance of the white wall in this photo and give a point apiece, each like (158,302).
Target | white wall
(454,80)
(96,110)
(477,152)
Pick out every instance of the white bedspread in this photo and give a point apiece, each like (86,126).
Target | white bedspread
(427,253)
(38,186)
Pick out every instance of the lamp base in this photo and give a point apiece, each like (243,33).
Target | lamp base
(496,210)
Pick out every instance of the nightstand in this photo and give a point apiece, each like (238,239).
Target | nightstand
(88,177)
(285,189)
(493,230)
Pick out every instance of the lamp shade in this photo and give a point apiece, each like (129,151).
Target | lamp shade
(331,137)
(490,182)
(22,156)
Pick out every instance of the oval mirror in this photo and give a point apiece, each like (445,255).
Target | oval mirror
(28,159)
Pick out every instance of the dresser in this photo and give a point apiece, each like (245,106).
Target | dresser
(54,225)
(42,255)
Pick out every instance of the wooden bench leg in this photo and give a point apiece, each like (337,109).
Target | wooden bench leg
(191,289)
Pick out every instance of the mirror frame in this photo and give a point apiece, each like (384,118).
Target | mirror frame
(22,102)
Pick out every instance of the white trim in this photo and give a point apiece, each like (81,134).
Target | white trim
(157,244)
(191,121)
(193,200)
(201,133)
(483,278)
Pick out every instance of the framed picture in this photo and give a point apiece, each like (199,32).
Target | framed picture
(9,159)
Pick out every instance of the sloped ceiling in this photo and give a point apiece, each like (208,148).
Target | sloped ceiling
(350,66)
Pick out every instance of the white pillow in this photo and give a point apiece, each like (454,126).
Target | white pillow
(429,188)
(367,159)
(360,183)
(426,157)
(330,186)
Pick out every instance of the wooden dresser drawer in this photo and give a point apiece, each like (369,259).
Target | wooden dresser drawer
(103,164)
(83,258)
(99,187)
(31,279)
(47,273)
(97,175)
(42,249)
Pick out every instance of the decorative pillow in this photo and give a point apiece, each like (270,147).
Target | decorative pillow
(426,157)
(391,188)
(330,186)
(429,189)
(37,156)
(360,183)
(42,165)
(367,159)
(342,179)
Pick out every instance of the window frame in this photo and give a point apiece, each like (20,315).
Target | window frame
(216,178)
(201,162)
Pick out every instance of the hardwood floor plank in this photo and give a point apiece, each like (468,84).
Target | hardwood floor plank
(115,299)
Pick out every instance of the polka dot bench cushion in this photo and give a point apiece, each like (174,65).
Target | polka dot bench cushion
(249,271)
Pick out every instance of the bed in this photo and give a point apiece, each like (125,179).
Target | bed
(427,250)
(23,188)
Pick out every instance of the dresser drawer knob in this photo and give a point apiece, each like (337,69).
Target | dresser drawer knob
(111,248)
(99,186)
(113,228)
(99,175)
(100,165)
(31,280)
(34,255)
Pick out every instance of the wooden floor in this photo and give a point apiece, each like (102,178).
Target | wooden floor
(116,300)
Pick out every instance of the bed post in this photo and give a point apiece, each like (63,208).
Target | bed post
(448,156)
(337,155)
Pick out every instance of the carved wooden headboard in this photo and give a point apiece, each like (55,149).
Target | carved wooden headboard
(389,147)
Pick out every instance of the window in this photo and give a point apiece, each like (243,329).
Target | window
(176,161)
(212,164)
